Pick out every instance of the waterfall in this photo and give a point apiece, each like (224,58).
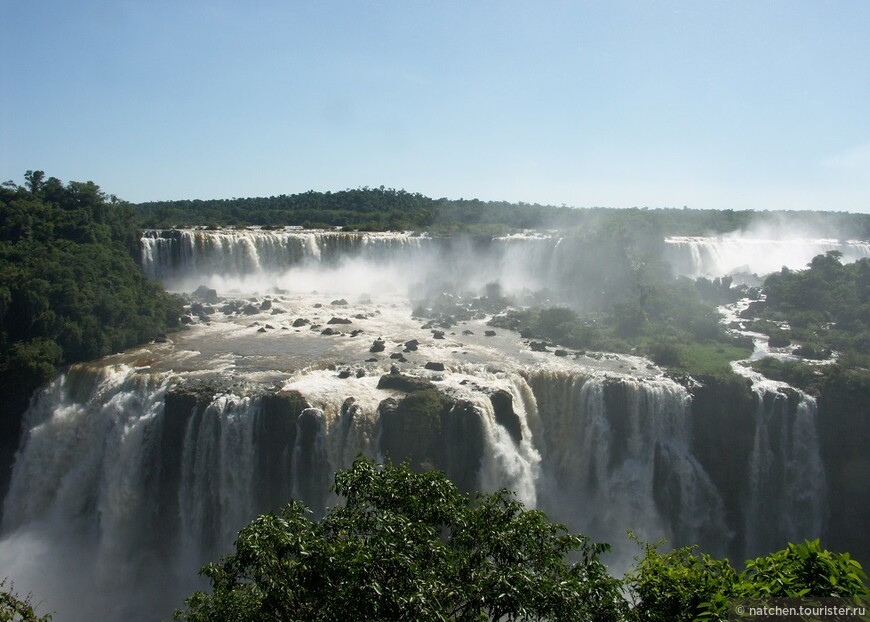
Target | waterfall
(122,487)
(217,488)
(617,455)
(712,257)
(126,483)
(787,489)
(170,254)
(80,513)
(510,458)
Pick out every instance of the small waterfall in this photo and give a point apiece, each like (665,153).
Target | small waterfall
(312,473)
(217,488)
(510,459)
(787,489)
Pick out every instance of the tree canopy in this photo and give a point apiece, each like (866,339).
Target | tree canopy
(408,546)
(379,209)
(70,287)
(404,545)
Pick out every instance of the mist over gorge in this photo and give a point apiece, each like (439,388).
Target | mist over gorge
(304,348)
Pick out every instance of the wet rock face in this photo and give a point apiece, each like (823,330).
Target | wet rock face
(311,470)
(844,432)
(429,430)
(503,405)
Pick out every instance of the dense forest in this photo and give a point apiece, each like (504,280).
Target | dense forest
(820,310)
(380,209)
(70,287)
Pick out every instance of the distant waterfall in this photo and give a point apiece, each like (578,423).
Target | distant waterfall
(168,254)
(712,257)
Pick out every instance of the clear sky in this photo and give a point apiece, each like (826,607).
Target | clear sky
(741,104)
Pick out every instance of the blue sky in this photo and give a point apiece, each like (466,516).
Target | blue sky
(741,104)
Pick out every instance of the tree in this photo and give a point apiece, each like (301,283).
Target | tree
(15,609)
(408,546)
(34,180)
(685,585)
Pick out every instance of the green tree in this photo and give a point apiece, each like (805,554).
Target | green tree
(673,586)
(685,585)
(408,546)
(15,609)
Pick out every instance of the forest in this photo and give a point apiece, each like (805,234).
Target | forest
(70,288)
(380,209)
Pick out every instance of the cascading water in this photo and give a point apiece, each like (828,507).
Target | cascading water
(137,469)
(787,489)
(617,455)
(712,257)
(168,254)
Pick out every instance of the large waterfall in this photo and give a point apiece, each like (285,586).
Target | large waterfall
(138,469)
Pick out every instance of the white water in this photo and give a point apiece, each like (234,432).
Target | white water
(631,457)
(108,501)
(713,257)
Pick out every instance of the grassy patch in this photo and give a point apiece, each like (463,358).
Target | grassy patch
(709,358)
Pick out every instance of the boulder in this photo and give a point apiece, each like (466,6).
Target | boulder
(434,366)
(339,320)
(206,294)
(300,322)
(341,302)
(378,345)
(402,382)
(265,305)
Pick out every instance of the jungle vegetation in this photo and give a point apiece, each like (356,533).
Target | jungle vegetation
(408,546)
(822,316)
(71,288)
(383,209)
